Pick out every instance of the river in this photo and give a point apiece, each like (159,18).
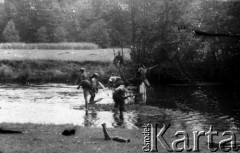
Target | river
(185,107)
(200,106)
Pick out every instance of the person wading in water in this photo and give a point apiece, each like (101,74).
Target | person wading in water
(119,96)
(85,84)
(95,83)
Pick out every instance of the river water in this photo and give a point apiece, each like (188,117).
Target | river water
(199,107)
(185,107)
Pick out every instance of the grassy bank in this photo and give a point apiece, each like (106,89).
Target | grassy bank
(43,71)
(22,63)
(38,138)
(49,139)
(50,46)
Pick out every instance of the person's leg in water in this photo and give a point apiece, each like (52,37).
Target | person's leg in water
(121,106)
(86,93)
(143,93)
(116,101)
(93,94)
(121,117)
(119,102)
(144,97)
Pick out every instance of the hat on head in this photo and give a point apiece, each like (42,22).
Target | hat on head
(96,75)
(82,69)
(119,83)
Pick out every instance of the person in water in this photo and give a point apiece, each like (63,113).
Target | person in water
(95,83)
(85,84)
(119,96)
(141,76)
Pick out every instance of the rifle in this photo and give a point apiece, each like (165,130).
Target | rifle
(152,67)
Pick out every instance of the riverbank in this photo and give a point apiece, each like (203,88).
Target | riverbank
(48,138)
(60,65)
(40,138)
(56,71)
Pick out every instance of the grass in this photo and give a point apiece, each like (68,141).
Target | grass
(38,138)
(43,71)
(98,55)
(52,46)
(63,66)
(48,138)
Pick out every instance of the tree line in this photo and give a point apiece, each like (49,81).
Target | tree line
(158,31)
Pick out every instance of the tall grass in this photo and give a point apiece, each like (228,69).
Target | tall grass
(42,71)
(63,45)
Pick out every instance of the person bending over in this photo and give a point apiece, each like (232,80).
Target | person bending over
(119,97)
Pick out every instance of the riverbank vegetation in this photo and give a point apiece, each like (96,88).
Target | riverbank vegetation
(62,66)
(43,71)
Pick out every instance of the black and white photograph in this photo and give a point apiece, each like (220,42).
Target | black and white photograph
(119,76)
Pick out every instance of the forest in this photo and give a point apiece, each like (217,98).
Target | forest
(157,31)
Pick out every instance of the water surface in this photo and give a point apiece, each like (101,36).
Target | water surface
(185,107)
(199,107)
(56,104)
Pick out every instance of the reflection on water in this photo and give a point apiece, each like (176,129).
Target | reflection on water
(186,107)
(198,107)
(54,104)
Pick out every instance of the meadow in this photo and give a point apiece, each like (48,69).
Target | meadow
(99,55)
(56,65)
(63,45)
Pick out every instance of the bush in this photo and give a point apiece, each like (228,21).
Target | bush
(6,71)
(10,33)
(42,35)
(59,34)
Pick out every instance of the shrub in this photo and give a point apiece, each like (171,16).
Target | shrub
(42,35)
(10,33)
(6,71)
(59,34)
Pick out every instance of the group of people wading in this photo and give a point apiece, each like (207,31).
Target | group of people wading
(119,85)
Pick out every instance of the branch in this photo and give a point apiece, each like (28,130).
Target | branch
(201,33)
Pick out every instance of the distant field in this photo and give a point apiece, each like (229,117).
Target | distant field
(47,46)
(103,55)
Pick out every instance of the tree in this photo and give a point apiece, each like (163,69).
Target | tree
(97,32)
(42,35)
(10,33)
(59,34)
